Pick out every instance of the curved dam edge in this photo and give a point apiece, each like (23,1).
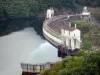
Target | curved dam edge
(52,39)
(47,32)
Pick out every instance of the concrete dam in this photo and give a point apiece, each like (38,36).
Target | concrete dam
(58,31)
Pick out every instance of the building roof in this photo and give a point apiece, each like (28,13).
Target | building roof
(69,28)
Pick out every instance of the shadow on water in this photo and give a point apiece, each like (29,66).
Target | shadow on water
(26,73)
(13,25)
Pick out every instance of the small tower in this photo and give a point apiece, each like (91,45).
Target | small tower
(50,13)
(85,14)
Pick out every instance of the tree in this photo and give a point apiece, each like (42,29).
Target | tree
(87,44)
(77,71)
(73,62)
(49,72)
(57,67)
(93,3)
(85,64)
(62,72)
(46,72)
(68,4)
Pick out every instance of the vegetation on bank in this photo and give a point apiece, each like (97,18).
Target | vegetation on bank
(28,8)
(96,14)
(83,63)
(90,34)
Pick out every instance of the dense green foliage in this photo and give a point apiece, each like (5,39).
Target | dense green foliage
(18,8)
(90,34)
(92,3)
(83,25)
(83,63)
(96,15)
(87,44)
(27,8)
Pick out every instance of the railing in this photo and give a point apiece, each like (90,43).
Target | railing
(37,68)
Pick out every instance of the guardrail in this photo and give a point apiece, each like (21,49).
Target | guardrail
(36,68)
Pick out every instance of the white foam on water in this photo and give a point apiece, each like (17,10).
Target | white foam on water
(44,53)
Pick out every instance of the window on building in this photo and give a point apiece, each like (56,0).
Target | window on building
(33,67)
(70,43)
(69,32)
(74,42)
(27,66)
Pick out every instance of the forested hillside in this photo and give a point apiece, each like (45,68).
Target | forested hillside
(83,63)
(24,9)
(28,8)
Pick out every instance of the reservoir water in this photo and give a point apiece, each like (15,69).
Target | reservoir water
(24,46)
